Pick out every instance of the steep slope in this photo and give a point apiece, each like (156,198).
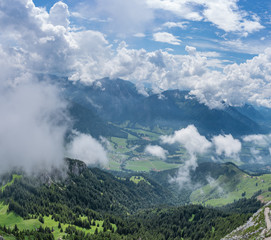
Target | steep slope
(176,109)
(257,227)
(87,121)
(84,187)
(226,183)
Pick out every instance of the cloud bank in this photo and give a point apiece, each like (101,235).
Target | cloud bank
(46,42)
(34,118)
(190,138)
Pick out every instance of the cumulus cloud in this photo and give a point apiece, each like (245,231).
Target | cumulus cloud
(227,145)
(87,149)
(42,41)
(194,143)
(156,151)
(166,37)
(190,138)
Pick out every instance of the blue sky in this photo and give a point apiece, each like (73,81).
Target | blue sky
(204,34)
(219,50)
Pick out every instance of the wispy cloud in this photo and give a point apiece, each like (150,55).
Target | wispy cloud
(195,144)
(230,18)
(182,25)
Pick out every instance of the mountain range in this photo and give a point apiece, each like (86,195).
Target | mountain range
(118,101)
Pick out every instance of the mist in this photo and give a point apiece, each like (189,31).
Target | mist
(156,151)
(86,148)
(34,121)
(195,144)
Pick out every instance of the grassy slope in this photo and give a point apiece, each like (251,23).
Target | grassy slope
(10,219)
(14,176)
(226,189)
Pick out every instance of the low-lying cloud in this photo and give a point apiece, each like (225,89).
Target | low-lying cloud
(33,125)
(194,143)
(156,151)
(87,149)
(259,139)
(227,145)
(190,138)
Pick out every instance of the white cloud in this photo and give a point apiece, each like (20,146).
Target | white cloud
(44,42)
(166,37)
(227,145)
(86,148)
(182,25)
(195,144)
(32,127)
(190,138)
(59,14)
(259,139)
(180,8)
(156,151)
(230,18)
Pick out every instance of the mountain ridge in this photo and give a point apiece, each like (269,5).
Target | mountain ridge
(118,101)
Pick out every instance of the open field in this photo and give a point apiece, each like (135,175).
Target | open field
(146,166)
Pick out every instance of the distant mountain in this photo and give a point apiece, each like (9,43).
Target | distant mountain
(112,100)
(118,101)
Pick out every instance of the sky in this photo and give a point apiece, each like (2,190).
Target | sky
(216,49)
(237,30)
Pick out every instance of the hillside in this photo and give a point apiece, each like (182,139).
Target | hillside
(257,227)
(93,204)
(226,183)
